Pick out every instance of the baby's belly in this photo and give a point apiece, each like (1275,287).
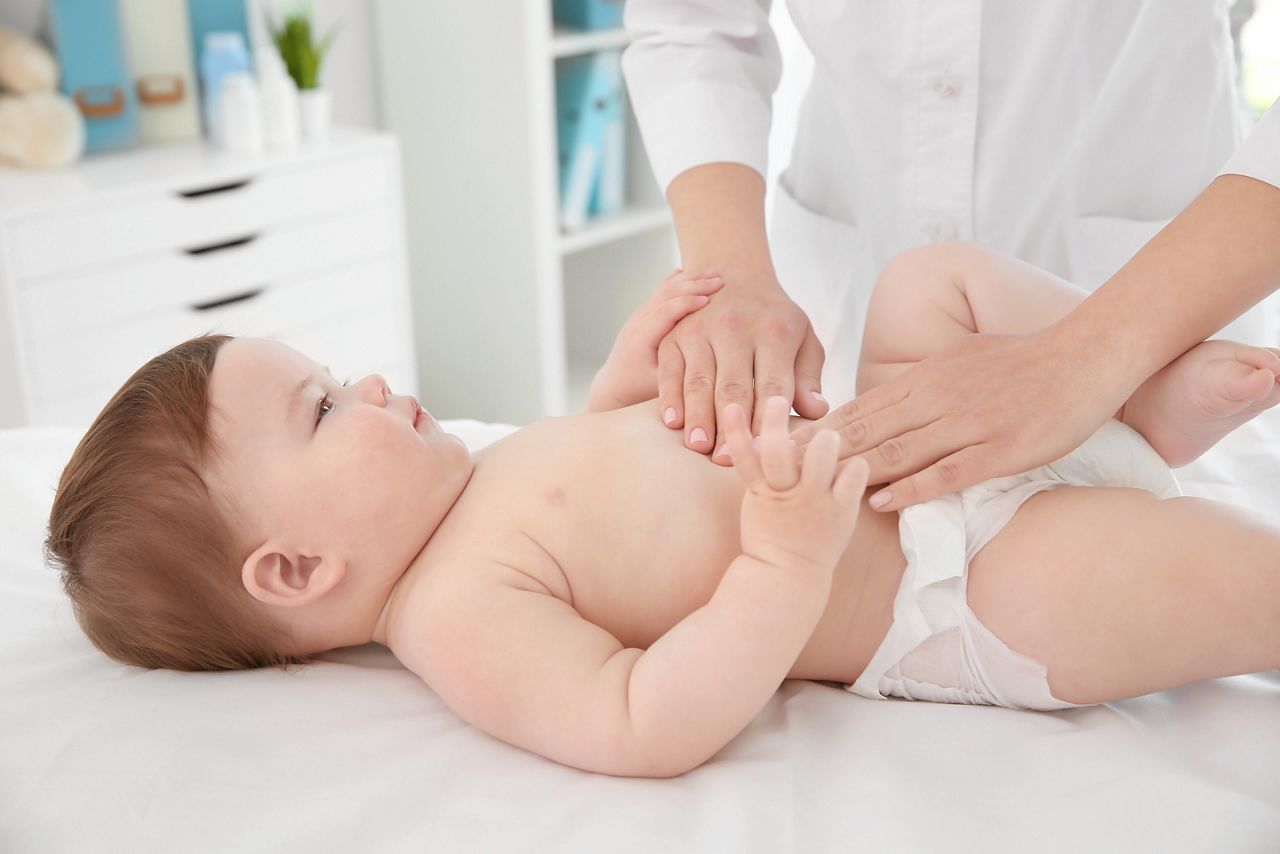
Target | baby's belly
(640,531)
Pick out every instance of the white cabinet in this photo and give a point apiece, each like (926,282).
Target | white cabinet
(517,314)
(114,261)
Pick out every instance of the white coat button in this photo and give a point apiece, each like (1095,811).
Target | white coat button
(946,86)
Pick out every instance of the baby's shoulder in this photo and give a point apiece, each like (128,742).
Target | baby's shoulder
(465,581)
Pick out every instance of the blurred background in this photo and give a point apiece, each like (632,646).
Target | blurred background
(455,195)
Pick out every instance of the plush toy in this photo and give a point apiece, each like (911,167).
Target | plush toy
(39,127)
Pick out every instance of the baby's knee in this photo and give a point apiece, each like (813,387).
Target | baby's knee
(934,262)
(927,277)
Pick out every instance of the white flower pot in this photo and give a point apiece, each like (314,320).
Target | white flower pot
(314,107)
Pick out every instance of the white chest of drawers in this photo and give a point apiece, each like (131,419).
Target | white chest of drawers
(108,264)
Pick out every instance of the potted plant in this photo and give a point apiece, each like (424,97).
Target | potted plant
(303,56)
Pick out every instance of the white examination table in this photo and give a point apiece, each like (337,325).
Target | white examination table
(355,754)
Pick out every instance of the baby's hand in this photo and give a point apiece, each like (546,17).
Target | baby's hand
(795,516)
(630,374)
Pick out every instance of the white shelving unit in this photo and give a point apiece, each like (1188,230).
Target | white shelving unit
(513,314)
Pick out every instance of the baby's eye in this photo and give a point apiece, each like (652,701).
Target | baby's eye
(327,401)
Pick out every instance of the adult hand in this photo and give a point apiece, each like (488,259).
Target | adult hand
(749,344)
(991,406)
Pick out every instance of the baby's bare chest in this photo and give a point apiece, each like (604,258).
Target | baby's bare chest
(630,528)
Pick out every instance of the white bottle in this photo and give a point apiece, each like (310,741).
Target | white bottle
(240,114)
(280,118)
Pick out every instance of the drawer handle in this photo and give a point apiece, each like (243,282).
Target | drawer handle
(218,303)
(222,244)
(215,188)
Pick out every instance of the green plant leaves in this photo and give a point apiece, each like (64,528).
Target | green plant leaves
(302,55)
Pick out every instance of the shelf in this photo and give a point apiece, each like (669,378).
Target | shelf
(567,41)
(632,220)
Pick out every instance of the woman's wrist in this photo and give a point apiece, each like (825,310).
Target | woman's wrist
(1098,350)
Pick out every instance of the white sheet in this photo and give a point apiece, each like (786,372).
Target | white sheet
(356,754)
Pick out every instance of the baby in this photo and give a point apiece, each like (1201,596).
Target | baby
(588,589)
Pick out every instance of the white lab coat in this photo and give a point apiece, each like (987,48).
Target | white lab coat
(1065,132)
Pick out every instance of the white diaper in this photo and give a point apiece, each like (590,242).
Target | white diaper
(937,649)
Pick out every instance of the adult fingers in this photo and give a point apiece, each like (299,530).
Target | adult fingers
(909,452)
(948,474)
(699,394)
(866,420)
(777,458)
(819,465)
(810,358)
(733,382)
(745,458)
(671,383)
(774,376)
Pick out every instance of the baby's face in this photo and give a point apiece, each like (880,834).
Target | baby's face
(339,471)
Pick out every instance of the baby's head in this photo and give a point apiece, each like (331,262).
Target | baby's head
(233,506)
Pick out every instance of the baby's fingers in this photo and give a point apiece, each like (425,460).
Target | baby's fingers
(777,456)
(679,283)
(745,459)
(819,465)
(851,482)
(666,314)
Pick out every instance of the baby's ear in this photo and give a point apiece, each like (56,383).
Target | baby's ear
(279,576)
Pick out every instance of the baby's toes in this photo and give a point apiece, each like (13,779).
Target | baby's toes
(1244,382)
(1267,358)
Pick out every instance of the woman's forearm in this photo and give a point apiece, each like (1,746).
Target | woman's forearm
(1213,261)
(719,219)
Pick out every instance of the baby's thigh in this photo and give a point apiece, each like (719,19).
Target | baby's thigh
(1119,593)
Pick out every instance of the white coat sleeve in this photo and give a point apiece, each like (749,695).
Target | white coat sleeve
(701,75)
(1259,155)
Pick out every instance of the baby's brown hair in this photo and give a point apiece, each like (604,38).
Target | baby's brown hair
(149,558)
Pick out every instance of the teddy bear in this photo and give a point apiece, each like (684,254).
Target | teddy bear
(39,127)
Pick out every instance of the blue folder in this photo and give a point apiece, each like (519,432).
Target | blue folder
(588,14)
(610,189)
(90,48)
(589,125)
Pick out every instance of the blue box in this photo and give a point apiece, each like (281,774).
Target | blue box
(90,49)
(588,14)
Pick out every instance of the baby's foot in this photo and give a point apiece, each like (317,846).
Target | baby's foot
(1204,394)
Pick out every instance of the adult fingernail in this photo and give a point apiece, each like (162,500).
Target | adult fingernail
(881,498)
(669,416)
(698,435)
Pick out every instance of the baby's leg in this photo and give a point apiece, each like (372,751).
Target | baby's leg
(929,299)
(1119,593)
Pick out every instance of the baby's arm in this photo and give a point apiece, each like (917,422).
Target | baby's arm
(523,666)
(630,375)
